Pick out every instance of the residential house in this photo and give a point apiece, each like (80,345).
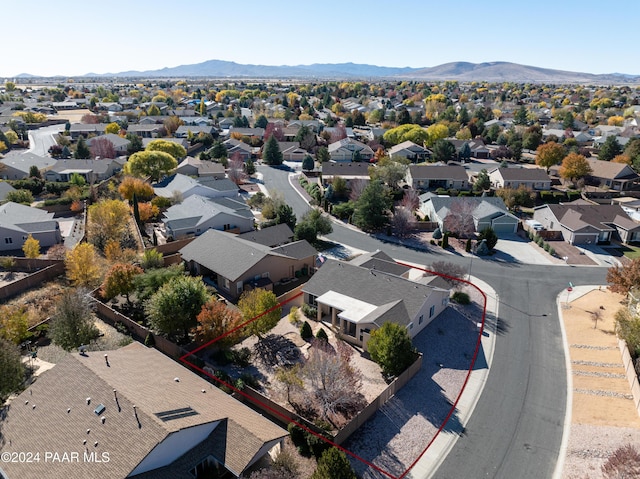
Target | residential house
(238,148)
(5,189)
(427,177)
(18,221)
(291,151)
(184,130)
(197,214)
(191,166)
(357,300)
(132,412)
(381,261)
(17,166)
(238,265)
(180,141)
(151,130)
(346,149)
(348,171)
(533,178)
(207,186)
(410,151)
(120,144)
(588,223)
(485,211)
(76,130)
(257,132)
(90,170)
(477,146)
(616,176)
(271,236)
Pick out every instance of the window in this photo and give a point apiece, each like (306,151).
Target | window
(410,327)
(225,284)
(420,319)
(8,240)
(432,311)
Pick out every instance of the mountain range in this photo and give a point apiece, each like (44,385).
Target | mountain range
(460,71)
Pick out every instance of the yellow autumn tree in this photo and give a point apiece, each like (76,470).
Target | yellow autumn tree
(31,247)
(131,185)
(83,266)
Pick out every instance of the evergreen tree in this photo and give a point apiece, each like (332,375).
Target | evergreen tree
(82,150)
(272,154)
(333,464)
(372,208)
(610,149)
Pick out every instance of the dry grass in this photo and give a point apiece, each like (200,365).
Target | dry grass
(40,302)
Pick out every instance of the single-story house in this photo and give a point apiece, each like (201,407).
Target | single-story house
(410,151)
(90,170)
(18,221)
(587,223)
(271,236)
(357,300)
(132,412)
(291,151)
(151,130)
(236,265)
(197,214)
(76,130)
(5,189)
(427,177)
(617,176)
(207,186)
(191,166)
(180,141)
(534,178)
(257,132)
(120,144)
(381,261)
(345,150)
(17,166)
(349,171)
(236,147)
(485,211)
(477,146)
(184,130)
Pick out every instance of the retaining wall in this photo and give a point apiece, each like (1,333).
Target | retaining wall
(632,377)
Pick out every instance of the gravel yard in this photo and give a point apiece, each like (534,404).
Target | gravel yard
(395,436)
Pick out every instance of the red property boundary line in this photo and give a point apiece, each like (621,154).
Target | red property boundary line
(305,428)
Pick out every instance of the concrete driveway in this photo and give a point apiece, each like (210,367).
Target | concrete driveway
(515,249)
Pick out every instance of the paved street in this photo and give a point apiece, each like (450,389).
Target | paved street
(517,426)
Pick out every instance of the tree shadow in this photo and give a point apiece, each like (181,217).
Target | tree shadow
(503,258)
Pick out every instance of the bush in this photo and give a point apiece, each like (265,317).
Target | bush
(149,341)
(460,298)
(305,331)
(309,311)
(322,335)
(299,439)
(445,241)
(293,315)
(467,246)
(552,251)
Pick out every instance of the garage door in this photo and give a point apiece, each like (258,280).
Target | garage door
(504,228)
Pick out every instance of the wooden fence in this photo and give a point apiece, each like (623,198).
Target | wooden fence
(33,280)
(632,376)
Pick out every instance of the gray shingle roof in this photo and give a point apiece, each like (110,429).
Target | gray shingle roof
(271,236)
(578,216)
(437,172)
(523,174)
(25,218)
(142,377)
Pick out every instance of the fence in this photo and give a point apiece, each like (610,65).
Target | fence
(138,331)
(426,225)
(173,246)
(380,401)
(290,294)
(33,280)
(632,376)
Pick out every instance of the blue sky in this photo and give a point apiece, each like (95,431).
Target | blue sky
(75,37)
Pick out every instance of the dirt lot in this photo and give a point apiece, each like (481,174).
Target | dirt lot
(603,415)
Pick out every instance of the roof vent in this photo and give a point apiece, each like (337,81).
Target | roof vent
(68,410)
(88,431)
(88,400)
(26,402)
(95,444)
(176,379)
(33,407)
(100,409)
(103,419)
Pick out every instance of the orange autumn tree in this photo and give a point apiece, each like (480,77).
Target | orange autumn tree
(214,320)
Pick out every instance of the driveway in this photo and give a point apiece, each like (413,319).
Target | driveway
(515,249)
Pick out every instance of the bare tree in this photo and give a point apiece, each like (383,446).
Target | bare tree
(596,316)
(623,463)
(410,200)
(103,148)
(335,382)
(338,133)
(236,171)
(403,222)
(356,188)
(450,272)
(459,220)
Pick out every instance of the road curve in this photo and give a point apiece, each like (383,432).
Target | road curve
(517,425)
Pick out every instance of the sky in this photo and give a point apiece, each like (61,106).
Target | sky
(76,37)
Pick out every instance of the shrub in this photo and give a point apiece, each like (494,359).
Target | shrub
(467,246)
(322,335)
(293,315)
(445,241)
(552,251)
(298,437)
(149,341)
(309,311)
(305,331)
(460,297)
(433,242)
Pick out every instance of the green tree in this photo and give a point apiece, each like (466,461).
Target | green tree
(135,143)
(249,167)
(483,182)
(550,154)
(490,236)
(218,150)
(82,150)
(312,224)
(340,189)
(34,172)
(72,323)
(173,309)
(371,211)
(24,197)
(150,163)
(285,214)
(262,307)
(391,348)
(271,154)
(261,122)
(632,150)
(333,464)
(407,132)
(151,258)
(307,163)
(465,152)
(520,116)
(443,150)
(322,154)
(610,149)
(388,171)
(153,279)
(11,369)
(174,149)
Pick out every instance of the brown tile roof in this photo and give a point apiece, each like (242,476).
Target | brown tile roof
(141,376)
(578,216)
(610,170)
